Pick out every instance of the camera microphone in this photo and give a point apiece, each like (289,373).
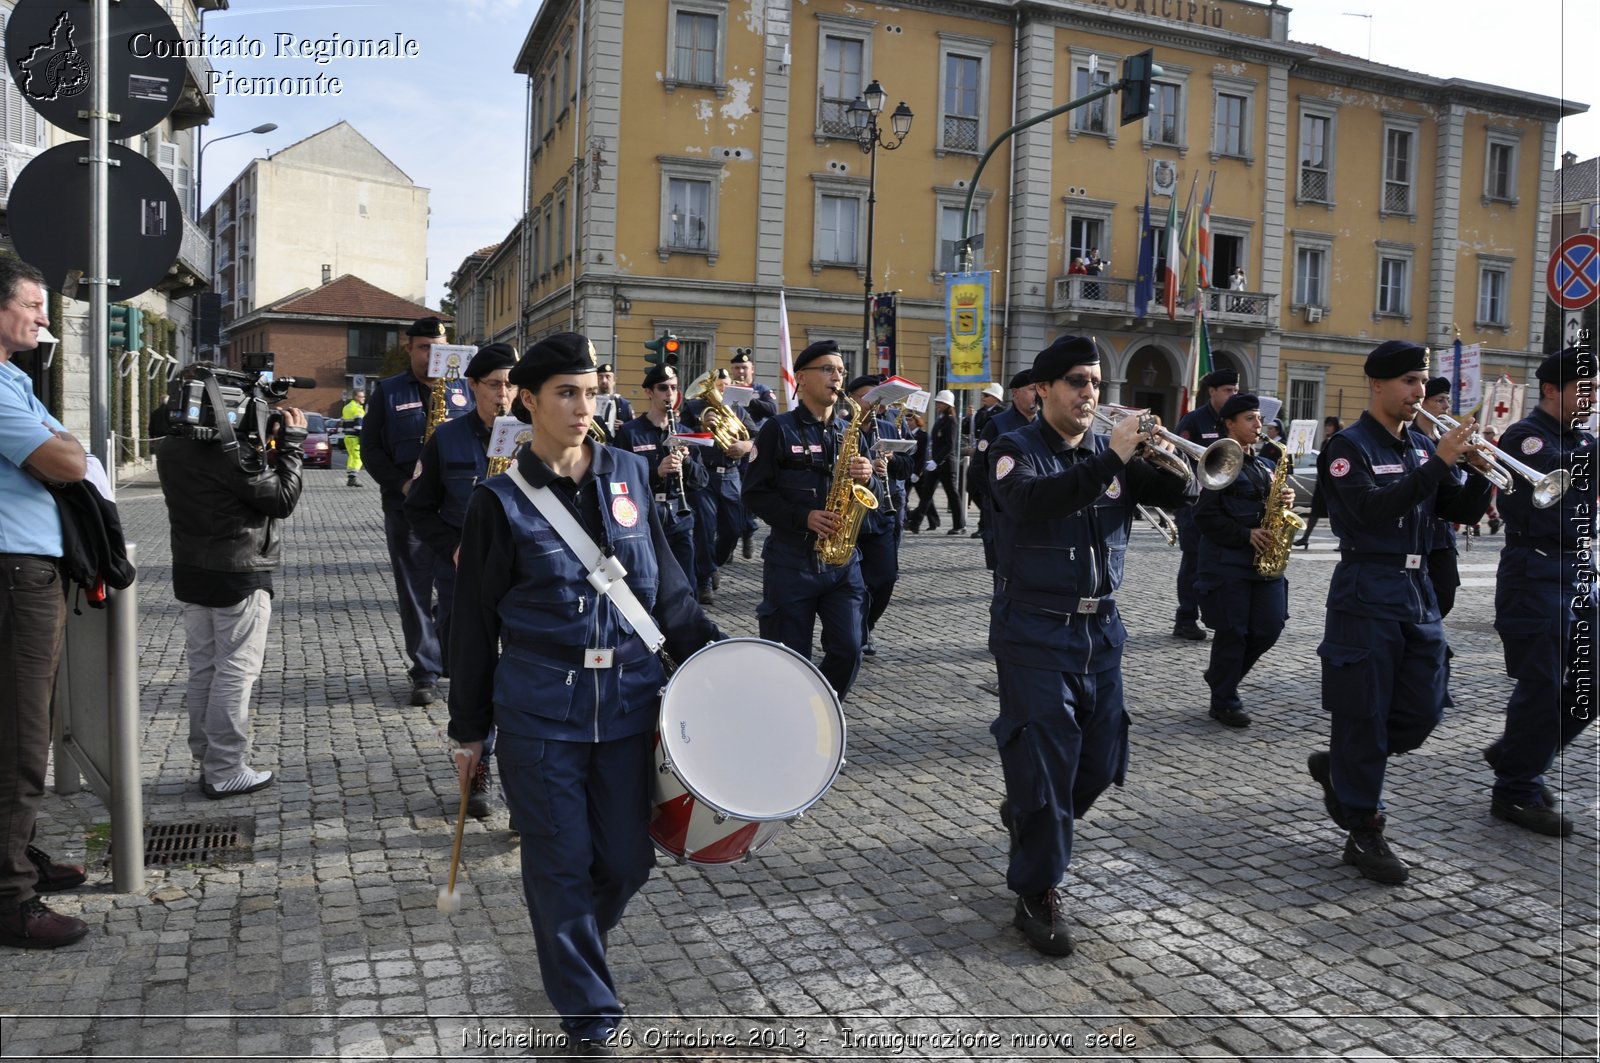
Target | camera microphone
(299,381)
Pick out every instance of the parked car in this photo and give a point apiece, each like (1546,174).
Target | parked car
(1303,478)
(319,453)
(335,433)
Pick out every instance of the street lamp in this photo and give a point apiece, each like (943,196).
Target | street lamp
(863,114)
(200,162)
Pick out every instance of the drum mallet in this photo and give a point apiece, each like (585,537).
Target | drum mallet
(449,898)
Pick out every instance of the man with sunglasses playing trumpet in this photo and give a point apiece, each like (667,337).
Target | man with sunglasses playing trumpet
(1383,648)
(1063,499)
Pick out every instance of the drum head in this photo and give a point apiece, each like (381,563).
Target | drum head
(752,729)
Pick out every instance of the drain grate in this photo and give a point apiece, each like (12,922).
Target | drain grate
(217,841)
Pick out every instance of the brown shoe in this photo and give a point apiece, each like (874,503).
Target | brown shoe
(54,876)
(31,925)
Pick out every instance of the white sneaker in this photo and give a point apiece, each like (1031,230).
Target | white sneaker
(246,782)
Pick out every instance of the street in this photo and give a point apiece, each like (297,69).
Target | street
(1213,915)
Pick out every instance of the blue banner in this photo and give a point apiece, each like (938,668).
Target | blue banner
(966,301)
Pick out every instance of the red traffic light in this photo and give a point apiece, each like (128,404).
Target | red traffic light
(672,345)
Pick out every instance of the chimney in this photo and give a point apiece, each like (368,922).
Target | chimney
(1568,158)
(327,273)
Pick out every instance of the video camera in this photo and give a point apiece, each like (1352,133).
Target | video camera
(210,404)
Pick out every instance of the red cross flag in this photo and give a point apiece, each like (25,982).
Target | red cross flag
(1502,404)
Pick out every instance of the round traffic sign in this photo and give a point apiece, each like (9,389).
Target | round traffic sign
(50,55)
(1573,278)
(49,216)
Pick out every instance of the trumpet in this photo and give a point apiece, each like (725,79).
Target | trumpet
(1161,521)
(1219,464)
(1548,487)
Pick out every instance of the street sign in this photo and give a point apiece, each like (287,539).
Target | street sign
(50,54)
(1573,279)
(50,228)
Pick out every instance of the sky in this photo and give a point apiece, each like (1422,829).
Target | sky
(452,116)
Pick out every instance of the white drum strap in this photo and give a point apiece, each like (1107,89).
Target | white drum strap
(606,574)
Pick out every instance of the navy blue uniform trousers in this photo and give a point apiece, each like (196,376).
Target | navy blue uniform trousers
(796,592)
(880,568)
(1063,739)
(1383,681)
(414,580)
(1188,569)
(1245,616)
(584,812)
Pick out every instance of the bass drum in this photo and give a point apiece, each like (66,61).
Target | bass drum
(750,736)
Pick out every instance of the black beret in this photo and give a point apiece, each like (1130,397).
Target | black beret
(1439,385)
(562,354)
(867,380)
(1237,404)
(1066,352)
(426,326)
(659,374)
(1567,364)
(492,357)
(1220,378)
(739,359)
(815,351)
(1022,379)
(604,367)
(720,374)
(1394,358)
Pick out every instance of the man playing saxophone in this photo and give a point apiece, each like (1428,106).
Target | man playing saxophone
(1245,535)
(791,476)
(1064,499)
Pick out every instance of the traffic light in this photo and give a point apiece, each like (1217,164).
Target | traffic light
(1137,72)
(663,351)
(127,327)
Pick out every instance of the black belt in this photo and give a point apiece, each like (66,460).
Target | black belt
(1397,560)
(1055,604)
(47,559)
(726,470)
(632,649)
(1536,542)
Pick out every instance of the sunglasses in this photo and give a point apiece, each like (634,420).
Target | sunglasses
(1081,382)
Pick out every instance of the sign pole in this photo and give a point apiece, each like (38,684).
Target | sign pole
(99,250)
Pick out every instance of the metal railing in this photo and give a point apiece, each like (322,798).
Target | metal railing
(960,133)
(833,118)
(195,249)
(1118,295)
(1396,197)
(1313,184)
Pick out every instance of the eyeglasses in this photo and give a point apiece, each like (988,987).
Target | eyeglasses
(1081,382)
(665,387)
(831,370)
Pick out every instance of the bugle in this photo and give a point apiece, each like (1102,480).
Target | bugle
(1548,487)
(1219,464)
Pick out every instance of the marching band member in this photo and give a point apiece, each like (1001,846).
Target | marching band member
(453,462)
(1244,609)
(575,738)
(758,409)
(788,486)
(719,509)
(1202,425)
(612,411)
(1545,599)
(673,473)
(879,541)
(391,441)
(1024,401)
(1443,570)
(1383,649)
(939,469)
(1064,498)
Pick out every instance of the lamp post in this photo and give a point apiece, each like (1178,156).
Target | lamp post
(200,162)
(863,114)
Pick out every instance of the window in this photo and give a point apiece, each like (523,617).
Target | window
(170,158)
(1310,276)
(553,109)
(1166,119)
(1494,286)
(840,204)
(22,130)
(1083,236)
(695,43)
(1230,130)
(1092,117)
(1305,399)
(561,228)
(688,206)
(1500,167)
(551,251)
(949,202)
(844,61)
(838,230)
(1398,152)
(949,240)
(1394,286)
(366,346)
(566,73)
(963,93)
(1316,154)
(534,262)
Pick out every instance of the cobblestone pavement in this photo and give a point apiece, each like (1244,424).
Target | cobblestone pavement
(1213,914)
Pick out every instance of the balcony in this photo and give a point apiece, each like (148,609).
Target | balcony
(195,106)
(1109,301)
(192,272)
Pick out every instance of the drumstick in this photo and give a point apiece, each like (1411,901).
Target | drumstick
(449,900)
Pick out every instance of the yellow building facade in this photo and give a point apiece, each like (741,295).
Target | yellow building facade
(690,159)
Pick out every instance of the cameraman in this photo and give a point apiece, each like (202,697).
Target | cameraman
(225,544)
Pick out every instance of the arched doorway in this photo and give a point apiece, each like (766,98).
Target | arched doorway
(1152,383)
(1240,365)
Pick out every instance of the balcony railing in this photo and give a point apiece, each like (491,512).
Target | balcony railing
(1396,197)
(832,119)
(1115,296)
(960,133)
(1313,184)
(195,250)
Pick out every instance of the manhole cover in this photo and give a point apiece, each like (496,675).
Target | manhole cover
(219,841)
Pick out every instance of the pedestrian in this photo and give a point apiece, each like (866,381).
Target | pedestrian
(940,469)
(392,433)
(35,449)
(1237,283)
(1020,412)
(1545,603)
(1202,425)
(790,482)
(454,460)
(673,473)
(921,480)
(351,416)
(1244,608)
(1383,647)
(1064,500)
(1331,426)
(575,737)
(879,539)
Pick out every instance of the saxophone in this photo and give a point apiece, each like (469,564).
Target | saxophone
(1283,522)
(846,498)
(723,424)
